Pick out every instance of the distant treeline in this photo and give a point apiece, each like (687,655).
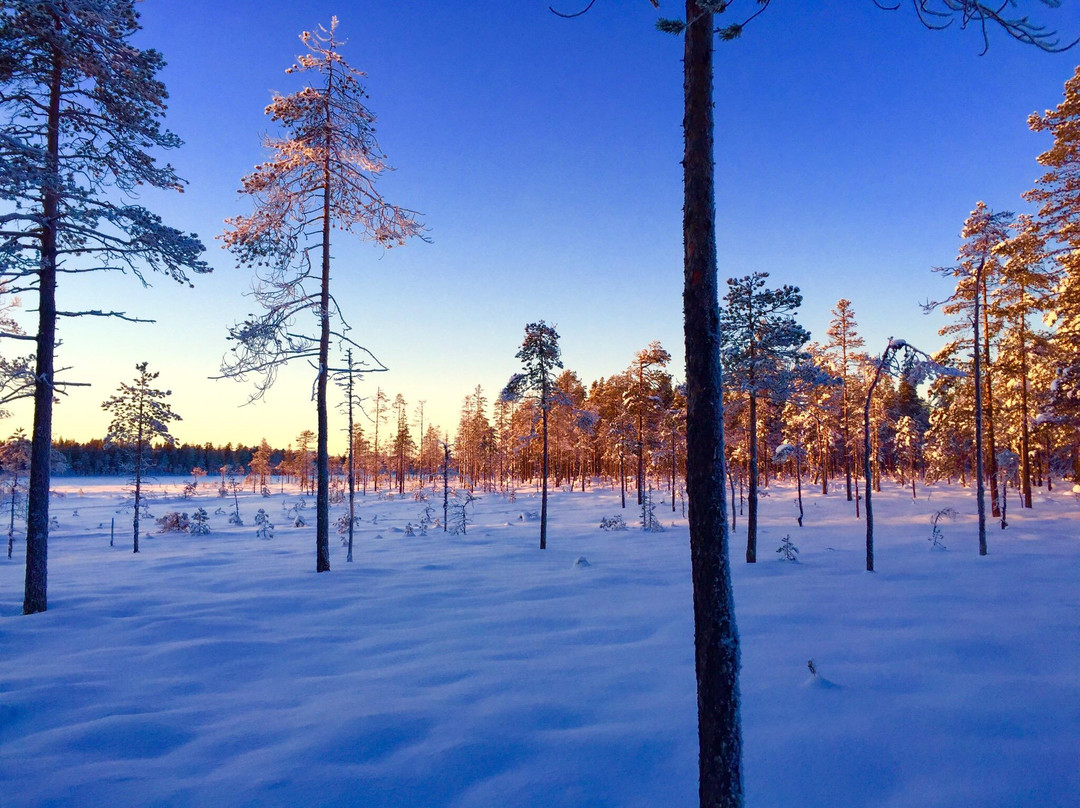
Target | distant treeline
(96,458)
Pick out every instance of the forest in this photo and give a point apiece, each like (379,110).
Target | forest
(988,418)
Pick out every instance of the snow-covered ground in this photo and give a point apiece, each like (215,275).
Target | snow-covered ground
(477,670)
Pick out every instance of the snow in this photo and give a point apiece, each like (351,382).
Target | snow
(477,670)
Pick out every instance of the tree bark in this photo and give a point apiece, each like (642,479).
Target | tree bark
(37,522)
(322,460)
(980,486)
(751,516)
(716,638)
(544,475)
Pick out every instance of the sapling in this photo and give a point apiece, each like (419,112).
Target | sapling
(649,522)
(200,523)
(787,550)
(936,534)
(459,516)
(265,526)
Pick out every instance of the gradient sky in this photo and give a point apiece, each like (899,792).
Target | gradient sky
(544,154)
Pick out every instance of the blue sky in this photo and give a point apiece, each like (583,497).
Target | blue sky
(544,154)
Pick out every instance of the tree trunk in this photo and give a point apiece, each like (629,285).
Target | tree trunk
(1025,436)
(867,463)
(991,459)
(352,463)
(138,472)
(716,639)
(37,519)
(322,460)
(544,476)
(980,483)
(752,499)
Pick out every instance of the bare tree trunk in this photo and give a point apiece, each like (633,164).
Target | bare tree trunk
(544,476)
(1025,437)
(991,459)
(138,473)
(980,483)
(37,520)
(322,461)
(751,517)
(352,461)
(867,463)
(716,639)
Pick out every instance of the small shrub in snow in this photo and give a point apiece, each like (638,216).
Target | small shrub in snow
(936,534)
(612,523)
(219,511)
(428,519)
(200,523)
(264,525)
(788,551)
(174,522)
(649,522)
(234,519)
(409,530)
(458,519)
(189,490)
(53,523)
(266,492)
(342,526)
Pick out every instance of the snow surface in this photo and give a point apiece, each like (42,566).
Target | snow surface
(477,670)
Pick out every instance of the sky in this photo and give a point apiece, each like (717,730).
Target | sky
(543,154)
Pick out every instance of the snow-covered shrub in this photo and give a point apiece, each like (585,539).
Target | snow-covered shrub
(612,523)
(936,534)
(787,550)
(458,521)
(200,523)
(649,522)
(264,525)
(342,525)
(174,522)
(189,490)
(409,530)
(235,519)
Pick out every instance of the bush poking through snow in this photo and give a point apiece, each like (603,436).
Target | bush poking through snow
(200,523)
(264,525)
(612,523)
(789,552)
(174,522)
(649,522)
(458,519)
(936,534)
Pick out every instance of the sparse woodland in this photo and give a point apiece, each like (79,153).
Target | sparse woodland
(995,406)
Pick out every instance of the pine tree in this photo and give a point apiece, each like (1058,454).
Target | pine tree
(80,110)
(1057,192)
(761,341)
(983,232)
(1024,289)
(844,340)
(648,366)
(320,176)
(539,357)
(140,417)
(260,463)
